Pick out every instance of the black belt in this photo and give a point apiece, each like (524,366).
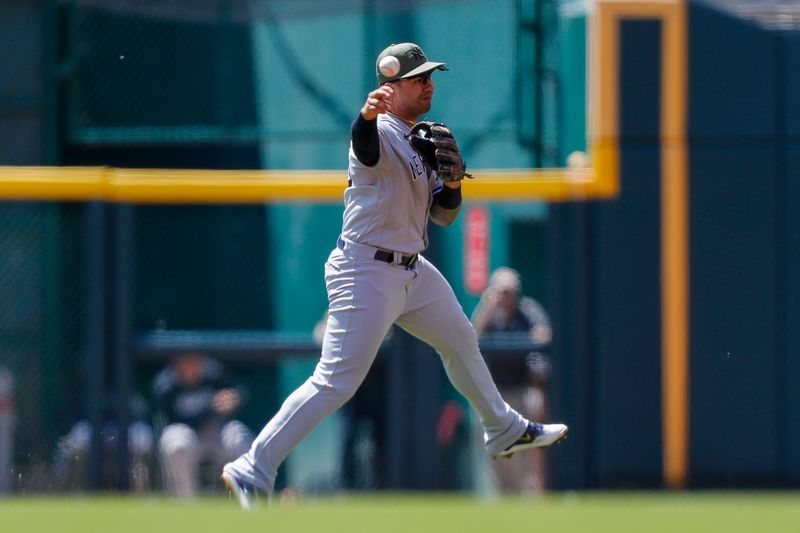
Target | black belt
(388,257)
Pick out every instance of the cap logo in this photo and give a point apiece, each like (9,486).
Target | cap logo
(416,53)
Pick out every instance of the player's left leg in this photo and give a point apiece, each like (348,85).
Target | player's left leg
(434,315)
(365,296)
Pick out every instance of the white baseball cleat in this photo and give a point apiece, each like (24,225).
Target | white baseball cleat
(536,436)
(244,492)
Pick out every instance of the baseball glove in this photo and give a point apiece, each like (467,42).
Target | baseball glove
(434,142)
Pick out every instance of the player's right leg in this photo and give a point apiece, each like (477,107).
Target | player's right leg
(365,297)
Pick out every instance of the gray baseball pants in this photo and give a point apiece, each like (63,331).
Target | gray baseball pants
(366,297)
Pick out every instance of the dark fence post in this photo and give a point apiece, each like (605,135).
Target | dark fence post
(122,336)
(94,361)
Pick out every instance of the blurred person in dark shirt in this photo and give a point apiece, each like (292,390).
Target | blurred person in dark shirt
(503,308)
(196,401)
(502,311)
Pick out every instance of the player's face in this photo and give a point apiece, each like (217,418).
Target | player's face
(413,96)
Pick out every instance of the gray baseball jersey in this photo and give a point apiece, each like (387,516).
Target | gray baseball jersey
(375,279)
(386,205)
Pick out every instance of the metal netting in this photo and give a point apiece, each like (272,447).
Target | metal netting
(41,317)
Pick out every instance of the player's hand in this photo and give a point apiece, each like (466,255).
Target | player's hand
(378,101)
(225,401)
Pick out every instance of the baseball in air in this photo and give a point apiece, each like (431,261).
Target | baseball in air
(389,66)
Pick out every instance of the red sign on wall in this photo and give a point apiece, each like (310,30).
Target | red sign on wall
(476,249)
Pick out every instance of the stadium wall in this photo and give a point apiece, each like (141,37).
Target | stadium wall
(740,265)
(603,261)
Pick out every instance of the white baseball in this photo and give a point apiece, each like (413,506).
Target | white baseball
(389,66)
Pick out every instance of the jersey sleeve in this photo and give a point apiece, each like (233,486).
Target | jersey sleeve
(366,141)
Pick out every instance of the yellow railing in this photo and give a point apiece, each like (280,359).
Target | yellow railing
(259,186)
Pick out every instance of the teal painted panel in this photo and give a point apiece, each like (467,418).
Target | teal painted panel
(313,72)
(572,69)
(476,40)
(309,72)
(481,145)
(309,152)
(301,238)
(477,97)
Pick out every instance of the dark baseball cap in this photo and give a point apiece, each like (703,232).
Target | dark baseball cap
(413,62)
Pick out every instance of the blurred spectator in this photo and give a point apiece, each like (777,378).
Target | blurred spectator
(196,401)
(75,446)
(6,428)
(503,310)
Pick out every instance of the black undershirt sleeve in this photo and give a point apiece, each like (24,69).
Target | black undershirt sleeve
(448,198)
(364,134)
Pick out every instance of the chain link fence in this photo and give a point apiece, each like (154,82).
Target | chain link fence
(40,313)
(194,267)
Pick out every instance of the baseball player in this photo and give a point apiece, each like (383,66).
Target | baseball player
(376,277)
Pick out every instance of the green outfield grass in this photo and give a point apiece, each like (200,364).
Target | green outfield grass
(736,512)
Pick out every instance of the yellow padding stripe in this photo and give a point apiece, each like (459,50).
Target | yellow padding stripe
(259,186)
